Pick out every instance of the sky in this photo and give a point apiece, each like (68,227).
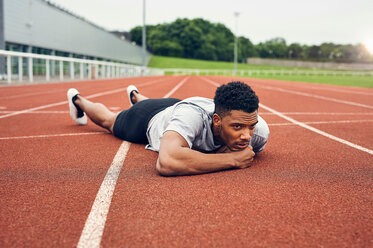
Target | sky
(310,22)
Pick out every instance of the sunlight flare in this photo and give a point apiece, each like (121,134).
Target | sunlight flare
(369,45)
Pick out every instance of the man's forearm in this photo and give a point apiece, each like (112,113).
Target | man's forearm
(185,161)
(176,158)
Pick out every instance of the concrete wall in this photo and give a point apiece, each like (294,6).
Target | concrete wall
(41,24)
(308,64)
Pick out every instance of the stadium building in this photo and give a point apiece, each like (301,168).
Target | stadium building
(42,27)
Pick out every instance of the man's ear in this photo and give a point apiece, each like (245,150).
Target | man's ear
(216,120)
(216,124)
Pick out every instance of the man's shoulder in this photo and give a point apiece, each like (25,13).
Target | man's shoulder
(198,100)
(206,104)
(261,129)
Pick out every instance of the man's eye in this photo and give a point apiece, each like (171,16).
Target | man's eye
(237,126)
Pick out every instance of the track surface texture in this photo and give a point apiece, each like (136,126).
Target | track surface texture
(64,185)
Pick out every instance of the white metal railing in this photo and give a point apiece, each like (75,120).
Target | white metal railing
(173,71)
(45,68)
(88,69)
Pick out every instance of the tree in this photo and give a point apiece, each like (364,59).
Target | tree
(155,38)
(223,41)
(201,39)
(207,50)
(314,52)
(295,51)
(263,50)
(196,38)
(170,48)
(326,50)
(245,49)
(278,47)
(136,34)
(191,40)
(363,53)
(348,53)
(273,48)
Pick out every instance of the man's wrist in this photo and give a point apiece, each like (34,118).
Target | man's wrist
(231,161)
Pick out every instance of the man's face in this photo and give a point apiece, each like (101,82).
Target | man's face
(235,129)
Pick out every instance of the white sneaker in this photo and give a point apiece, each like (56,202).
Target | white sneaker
(73,110)
(129,91)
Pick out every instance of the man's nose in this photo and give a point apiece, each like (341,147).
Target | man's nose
(245,135)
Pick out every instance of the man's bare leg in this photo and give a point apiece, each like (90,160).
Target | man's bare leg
(100,114)
(97,112)
(137,97)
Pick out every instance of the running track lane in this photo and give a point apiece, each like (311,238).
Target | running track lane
(292,195)
(24,104)
(303,190)
(95,224)
(343,93)
(49,183)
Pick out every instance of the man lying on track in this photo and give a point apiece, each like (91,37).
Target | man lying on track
(193,136)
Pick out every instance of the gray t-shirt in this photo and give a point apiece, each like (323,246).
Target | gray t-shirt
(192,119)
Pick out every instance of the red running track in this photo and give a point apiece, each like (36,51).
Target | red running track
(304,190)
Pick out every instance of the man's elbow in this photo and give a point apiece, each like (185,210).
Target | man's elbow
(165,168)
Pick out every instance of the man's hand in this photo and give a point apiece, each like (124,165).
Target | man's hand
(243,158)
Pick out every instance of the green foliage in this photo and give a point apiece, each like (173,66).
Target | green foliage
(168,47)
(186,38)
(191,40)
(314,52)
(295,51)
(274,48)
(201,39)
(246,49)
(136,34)
(330,52)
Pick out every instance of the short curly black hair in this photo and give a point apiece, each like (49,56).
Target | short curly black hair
(235,96)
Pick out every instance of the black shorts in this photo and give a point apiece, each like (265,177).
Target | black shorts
(131,124)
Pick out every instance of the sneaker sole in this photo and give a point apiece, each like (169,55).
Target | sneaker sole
(73,111)
(129,91)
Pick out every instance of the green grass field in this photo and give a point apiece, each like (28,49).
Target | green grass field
(349,80)
(170,62)
(356,81)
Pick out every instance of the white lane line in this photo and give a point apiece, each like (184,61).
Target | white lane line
(316,113)
(314,96)
(94,226)
(324,87)
(320,122)
(32,109)
(51,135)
(65,102)
(35,112)
(301,124)
(305,125)
(30,94)
(94,133)
(176,87)
(262,113)
(340,90)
